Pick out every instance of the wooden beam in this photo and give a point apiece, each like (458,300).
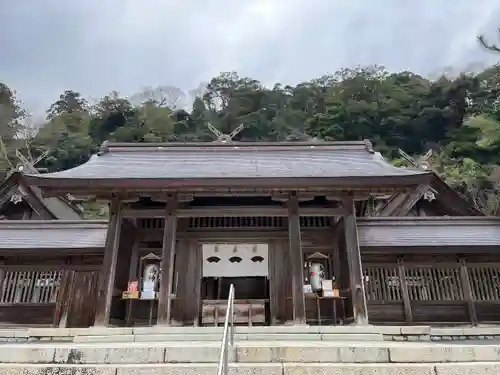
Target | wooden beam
(355,268)
(243,211)
(296,260)
(108,270)
(155,235)
(167,262)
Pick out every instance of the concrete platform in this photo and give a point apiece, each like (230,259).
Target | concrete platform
(257,369)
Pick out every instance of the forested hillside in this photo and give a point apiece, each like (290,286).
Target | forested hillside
(458,118)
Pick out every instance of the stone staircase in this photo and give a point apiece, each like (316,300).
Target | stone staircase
(257,351)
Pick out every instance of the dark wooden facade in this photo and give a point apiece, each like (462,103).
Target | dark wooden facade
(431,270)
(288,204)
(49,272)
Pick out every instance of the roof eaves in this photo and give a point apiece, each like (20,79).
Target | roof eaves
(54,224)
(358,182)
(438,184)
(427,220)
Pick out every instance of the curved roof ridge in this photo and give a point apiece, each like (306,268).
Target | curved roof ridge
(107,147)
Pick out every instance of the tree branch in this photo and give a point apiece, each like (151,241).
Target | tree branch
(485,44)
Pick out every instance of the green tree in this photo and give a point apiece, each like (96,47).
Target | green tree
(68,102)
(12,124)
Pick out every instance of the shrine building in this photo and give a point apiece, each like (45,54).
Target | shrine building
(286,223)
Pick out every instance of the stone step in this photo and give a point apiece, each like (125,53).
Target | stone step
(483,368)
(302,333)
(104,331)
(248,352)
(238,337)
(97,334)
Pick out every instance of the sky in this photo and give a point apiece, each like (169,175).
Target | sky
(95,46)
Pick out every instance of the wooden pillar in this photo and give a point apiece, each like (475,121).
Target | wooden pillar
(108,270)
(354,260)
(337,266)
(280,288)
(188,262)
(182,275)
(404,290)
(134,261)
(64,299)
(132,275)
(469,297)
(2,274)
(296,260)
(167,262)
(272,282)
(196,262)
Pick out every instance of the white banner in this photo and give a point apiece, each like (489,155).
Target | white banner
(235,260)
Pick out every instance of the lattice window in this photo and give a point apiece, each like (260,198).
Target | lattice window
(316,221)
(485,282)
(31,286)
(431,283)
(382,283)
(256,222)
(264,222)
(236,222)
(153,223)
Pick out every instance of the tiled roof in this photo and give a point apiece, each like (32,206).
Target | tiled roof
(176,161)
(429,232)
(52,234)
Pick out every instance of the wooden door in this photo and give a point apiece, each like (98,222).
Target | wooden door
(76,300)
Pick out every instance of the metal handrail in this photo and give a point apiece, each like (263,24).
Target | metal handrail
(228,332)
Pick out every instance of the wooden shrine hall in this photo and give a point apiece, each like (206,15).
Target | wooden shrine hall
(281,222)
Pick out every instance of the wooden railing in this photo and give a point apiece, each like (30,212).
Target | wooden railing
(456,292)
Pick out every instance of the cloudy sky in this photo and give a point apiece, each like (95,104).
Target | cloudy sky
(95,46)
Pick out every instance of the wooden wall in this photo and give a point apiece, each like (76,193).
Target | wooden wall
(435,289)
(402,287)
(48,291)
